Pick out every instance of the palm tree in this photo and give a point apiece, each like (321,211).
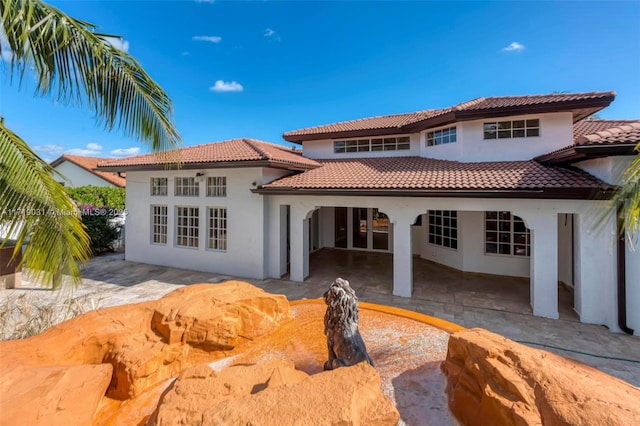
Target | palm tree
(74,64)
(627,200)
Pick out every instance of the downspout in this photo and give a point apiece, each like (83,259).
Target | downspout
(622,285)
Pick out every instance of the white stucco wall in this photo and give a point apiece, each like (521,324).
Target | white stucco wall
(77,176)
(556,131)
(632,256)
(246,217)
(565,249)
(611,170)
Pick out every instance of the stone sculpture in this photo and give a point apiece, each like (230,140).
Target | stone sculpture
(344,341)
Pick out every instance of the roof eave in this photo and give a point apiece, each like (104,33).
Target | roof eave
(543,193)
(586,152)
(209,165)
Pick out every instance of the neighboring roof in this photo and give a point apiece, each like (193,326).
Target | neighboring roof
(609,138)
(230,153)
(407,176)
(89,164)
(581,104)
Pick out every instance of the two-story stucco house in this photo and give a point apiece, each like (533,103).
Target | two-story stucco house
(514,186)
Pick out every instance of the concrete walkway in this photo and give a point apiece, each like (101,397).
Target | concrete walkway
(493,303)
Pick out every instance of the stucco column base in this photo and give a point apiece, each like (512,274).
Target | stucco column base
(402,258)
(299,244)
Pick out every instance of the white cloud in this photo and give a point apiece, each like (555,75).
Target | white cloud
(222,86)
(91,150)
(271,34)
(119,43)
(125,152)
(49,152)
(514,47)
(210,39)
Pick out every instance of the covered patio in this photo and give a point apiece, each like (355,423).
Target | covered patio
(371,275)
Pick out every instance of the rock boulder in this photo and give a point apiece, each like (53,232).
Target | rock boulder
(493,380)
(268,393)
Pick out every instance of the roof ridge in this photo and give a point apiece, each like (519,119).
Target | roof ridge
(252,144)
(540,95)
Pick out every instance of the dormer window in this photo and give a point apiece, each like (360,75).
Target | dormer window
(375,144)
(441,137)
(512,129)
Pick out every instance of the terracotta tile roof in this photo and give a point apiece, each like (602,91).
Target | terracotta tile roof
(619,133)
(229,151)
(597,139)
(89,164)
(426,174)
(589,127)
(581,103)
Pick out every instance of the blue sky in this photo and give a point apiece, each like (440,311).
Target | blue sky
(257,69)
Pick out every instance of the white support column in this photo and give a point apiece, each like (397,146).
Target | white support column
(299,243)
(596,269)
(544,263)
(402,255)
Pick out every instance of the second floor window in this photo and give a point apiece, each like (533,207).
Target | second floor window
(374,144)
(512,129)
(441,137)
(187,187)
(216,186)
(159,186)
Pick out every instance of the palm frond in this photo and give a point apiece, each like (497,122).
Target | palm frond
(36,209)
(77,65)
(627,198)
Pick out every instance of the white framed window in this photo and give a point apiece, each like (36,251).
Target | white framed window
(506,234)
(374,144)
(159,186)
(216,186)
(187,226)
(512,129)
(443,228)
(187,187)
(158,224)
(441,137)
(217,235)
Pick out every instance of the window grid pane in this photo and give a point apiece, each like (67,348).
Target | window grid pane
(217,229)
(375,144)
(506,234)
(187,187)
(187,225)
(443,228)
(217,186)
(512,129)
(440,137)
(159,224)
(159,186)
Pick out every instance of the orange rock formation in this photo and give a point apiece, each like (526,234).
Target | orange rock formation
(113,366)
(493,380)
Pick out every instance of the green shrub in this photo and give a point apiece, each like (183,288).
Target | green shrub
(102,228)
(99,196)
